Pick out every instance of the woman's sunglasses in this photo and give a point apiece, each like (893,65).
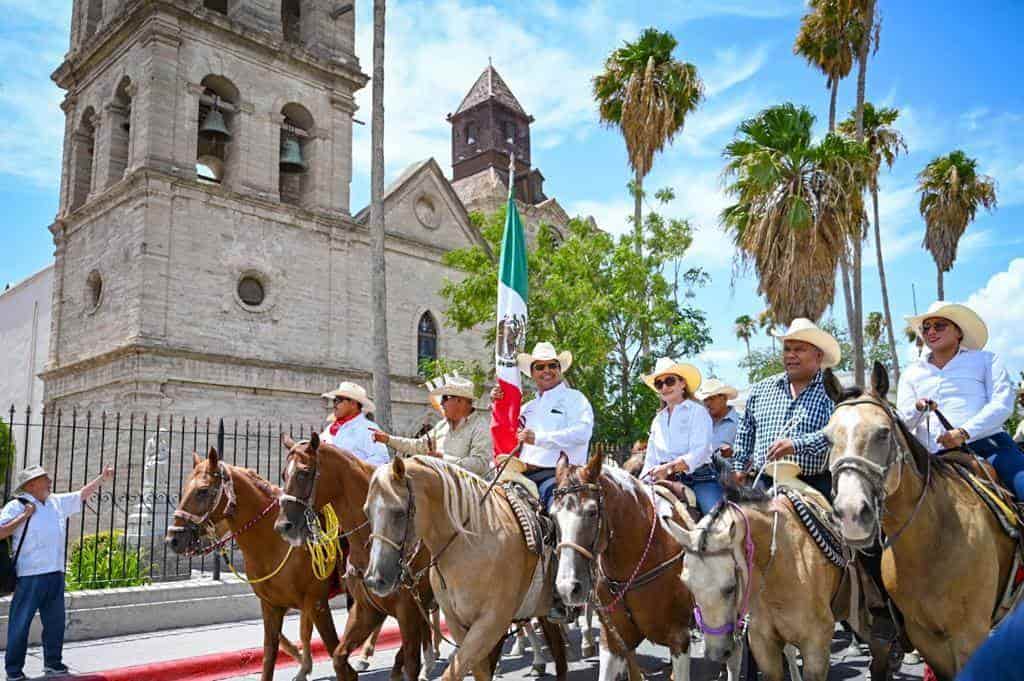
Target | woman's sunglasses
(668,381)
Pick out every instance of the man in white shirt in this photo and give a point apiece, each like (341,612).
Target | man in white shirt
(40,565)
(969,385)
(558,420)
(350,429)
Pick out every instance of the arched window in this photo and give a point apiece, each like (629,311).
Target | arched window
(120,133)
(509,128)
(84,146)
(295,184)
(291,21)
(472,133)
(217,107)
(426,339)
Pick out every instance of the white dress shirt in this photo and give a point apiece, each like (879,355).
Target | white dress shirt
(680,431)
(562,420)
(354,436)
(973,391)
(43,550)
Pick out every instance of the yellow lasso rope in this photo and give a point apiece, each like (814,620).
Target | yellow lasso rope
(323,547)
(261,579)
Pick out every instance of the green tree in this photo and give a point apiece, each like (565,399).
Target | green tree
(7,450)
(796,204)
(744,327)
(951,190)
(828,39)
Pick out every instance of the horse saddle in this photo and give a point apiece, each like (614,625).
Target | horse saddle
(981,478)
(816,516)
(537,528)
(675,499)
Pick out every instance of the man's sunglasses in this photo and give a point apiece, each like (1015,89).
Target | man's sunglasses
(668,381)
(938,326)
(445,398)
(339,400)
(540,366)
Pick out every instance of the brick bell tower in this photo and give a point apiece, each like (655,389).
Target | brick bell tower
(204,242)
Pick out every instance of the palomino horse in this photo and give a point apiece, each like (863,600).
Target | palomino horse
(481,570)
(946,562)
(220,499)
(609,525)
(790,590)
(319,474)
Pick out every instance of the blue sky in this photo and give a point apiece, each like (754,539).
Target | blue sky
(953,69)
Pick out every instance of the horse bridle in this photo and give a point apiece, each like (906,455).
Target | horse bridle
(201,524)
(404,560)
(596,548)
(309,510)
(739,626)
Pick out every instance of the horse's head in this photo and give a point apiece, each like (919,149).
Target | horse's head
(863,431)
(206,499)
(391,509)
(300,486)
(579,513)
(716,570)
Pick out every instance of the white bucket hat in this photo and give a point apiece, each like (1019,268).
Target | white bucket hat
(805,330)
(450,384)
(353,391)
(712,387)
(667,366)
(974,329)
(28,475)
(542,352)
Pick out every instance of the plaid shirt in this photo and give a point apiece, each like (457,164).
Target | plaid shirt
(772,414)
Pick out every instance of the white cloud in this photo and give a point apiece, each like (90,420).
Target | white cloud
(716,356)
(998,303)
(733,66)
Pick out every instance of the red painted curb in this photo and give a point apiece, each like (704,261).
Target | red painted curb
(222,665)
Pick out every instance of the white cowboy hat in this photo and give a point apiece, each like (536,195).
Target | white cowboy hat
(974,329)
(712,387)
(542,352)
(666,365)
(28,475)
(450,384)
(353,391)
(805,330)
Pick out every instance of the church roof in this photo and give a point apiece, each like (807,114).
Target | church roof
(490,85)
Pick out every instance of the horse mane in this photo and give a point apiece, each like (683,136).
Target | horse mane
(734,494)
(463,497)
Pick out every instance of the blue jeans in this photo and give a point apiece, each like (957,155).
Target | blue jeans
(1005,456)
(544,478)
(44,593)
(705,485)
(998,658)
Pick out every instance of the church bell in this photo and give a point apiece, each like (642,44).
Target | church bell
(291,156)
(214,127)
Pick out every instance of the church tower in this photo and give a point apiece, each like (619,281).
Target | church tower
(204,209)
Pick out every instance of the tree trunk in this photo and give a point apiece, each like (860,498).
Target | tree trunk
(844,268)
(378,268)
(857,337)
(885,289)
(942,289)
(638,225)
(832,105)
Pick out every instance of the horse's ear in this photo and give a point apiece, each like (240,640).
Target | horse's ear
(562,467)
(195,459)
(833,388)
(213,457)
(314,442)
(593,467)
(686,538)
(720,540)
(398,468)
(287,442)
(879,380)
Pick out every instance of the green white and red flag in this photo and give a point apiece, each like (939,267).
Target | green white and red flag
(511,332)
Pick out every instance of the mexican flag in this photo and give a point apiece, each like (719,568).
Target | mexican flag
(511,333)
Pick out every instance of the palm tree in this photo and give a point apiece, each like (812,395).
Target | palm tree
(744,329)
(951,193)
(884,143)
(796,205)
(647,94)
(828,39)
(766,324)
(378,278)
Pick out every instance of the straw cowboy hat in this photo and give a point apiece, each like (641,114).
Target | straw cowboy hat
(28,475)
(353,391)
(974,330)
(542,352)
(807,331)
(712,387)
(666,366)
(450,384)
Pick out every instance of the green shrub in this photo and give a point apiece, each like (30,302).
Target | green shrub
(102,561)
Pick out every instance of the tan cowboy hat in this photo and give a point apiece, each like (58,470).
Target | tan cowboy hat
(782,470)
(712,387)
(805,330)
(974,330)
(666,365)
(353,391)
(28,475)
(542,352)
(450,384)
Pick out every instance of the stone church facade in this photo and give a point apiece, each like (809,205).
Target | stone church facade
(207,262)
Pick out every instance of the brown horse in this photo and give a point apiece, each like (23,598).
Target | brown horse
(482,570)
(319,474)
(219,499)
(610,526)
(946,562)
(733,571)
